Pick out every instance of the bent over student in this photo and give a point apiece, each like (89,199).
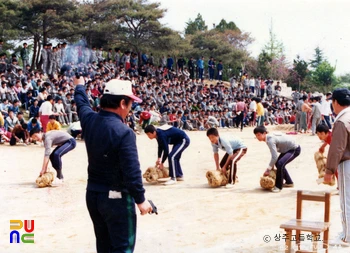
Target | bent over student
(169,135)
(114,175)
(64,142)
(235,150)
(288,150)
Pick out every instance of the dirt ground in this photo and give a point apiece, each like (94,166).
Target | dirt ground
(192,216)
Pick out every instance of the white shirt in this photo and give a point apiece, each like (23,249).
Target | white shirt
(59,107)
(326,108)
(46,108)
(252,106)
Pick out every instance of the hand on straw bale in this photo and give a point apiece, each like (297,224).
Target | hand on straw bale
(45,179)
(153,173)
(321,161)
(268,181)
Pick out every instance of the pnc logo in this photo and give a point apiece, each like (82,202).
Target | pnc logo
(15,236)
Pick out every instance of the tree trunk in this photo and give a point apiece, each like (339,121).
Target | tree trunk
(34,52)
(38,58)
(44,30)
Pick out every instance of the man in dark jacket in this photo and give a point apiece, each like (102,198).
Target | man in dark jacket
(114,175)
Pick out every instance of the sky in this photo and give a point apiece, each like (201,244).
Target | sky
(301,25)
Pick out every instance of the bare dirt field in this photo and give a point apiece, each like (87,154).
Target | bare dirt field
(192,216)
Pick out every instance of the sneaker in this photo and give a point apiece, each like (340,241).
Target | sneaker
(339,242)
(170,182)
(180,179)
(275,190)
(57,182)
(288,185)
(229,186)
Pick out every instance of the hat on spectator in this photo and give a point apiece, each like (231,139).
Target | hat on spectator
(341,94)
(120,87)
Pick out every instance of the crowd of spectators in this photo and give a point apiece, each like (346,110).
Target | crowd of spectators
(175,93)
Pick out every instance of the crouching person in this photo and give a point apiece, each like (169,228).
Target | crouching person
(63,142)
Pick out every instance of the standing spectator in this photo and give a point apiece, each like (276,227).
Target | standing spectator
(257,87)
(219,69)
(338,159)
(241,110)
(180,65)
(298,106)
(169,62)
(316,114)
(44,58)
(163,61)
(252,109)
(45,111)
(262,87)
(200,66)
(191,67)
(326,111)
(260,112)
(115,181)
(50,59)
(25,55)
(211,68)
(305,108)
(117,57)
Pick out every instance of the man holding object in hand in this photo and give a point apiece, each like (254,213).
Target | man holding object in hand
(339,159)
(114,175)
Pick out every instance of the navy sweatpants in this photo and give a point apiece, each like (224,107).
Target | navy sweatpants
(114,221)
(281,163)
(174,158)
(58,152)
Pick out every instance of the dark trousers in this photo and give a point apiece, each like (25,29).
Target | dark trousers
(327,121)
(114,222)
(281,163)
(232,167)
(211,73)
(262,93)
(240,118)
(145,123)
(200,75)
(191,73)
(58,152)
(20,135)
(174,158)
(75,133)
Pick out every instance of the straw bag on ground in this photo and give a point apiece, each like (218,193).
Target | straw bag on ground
(216,178)
(268,182)
(45,180)
(152,174)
